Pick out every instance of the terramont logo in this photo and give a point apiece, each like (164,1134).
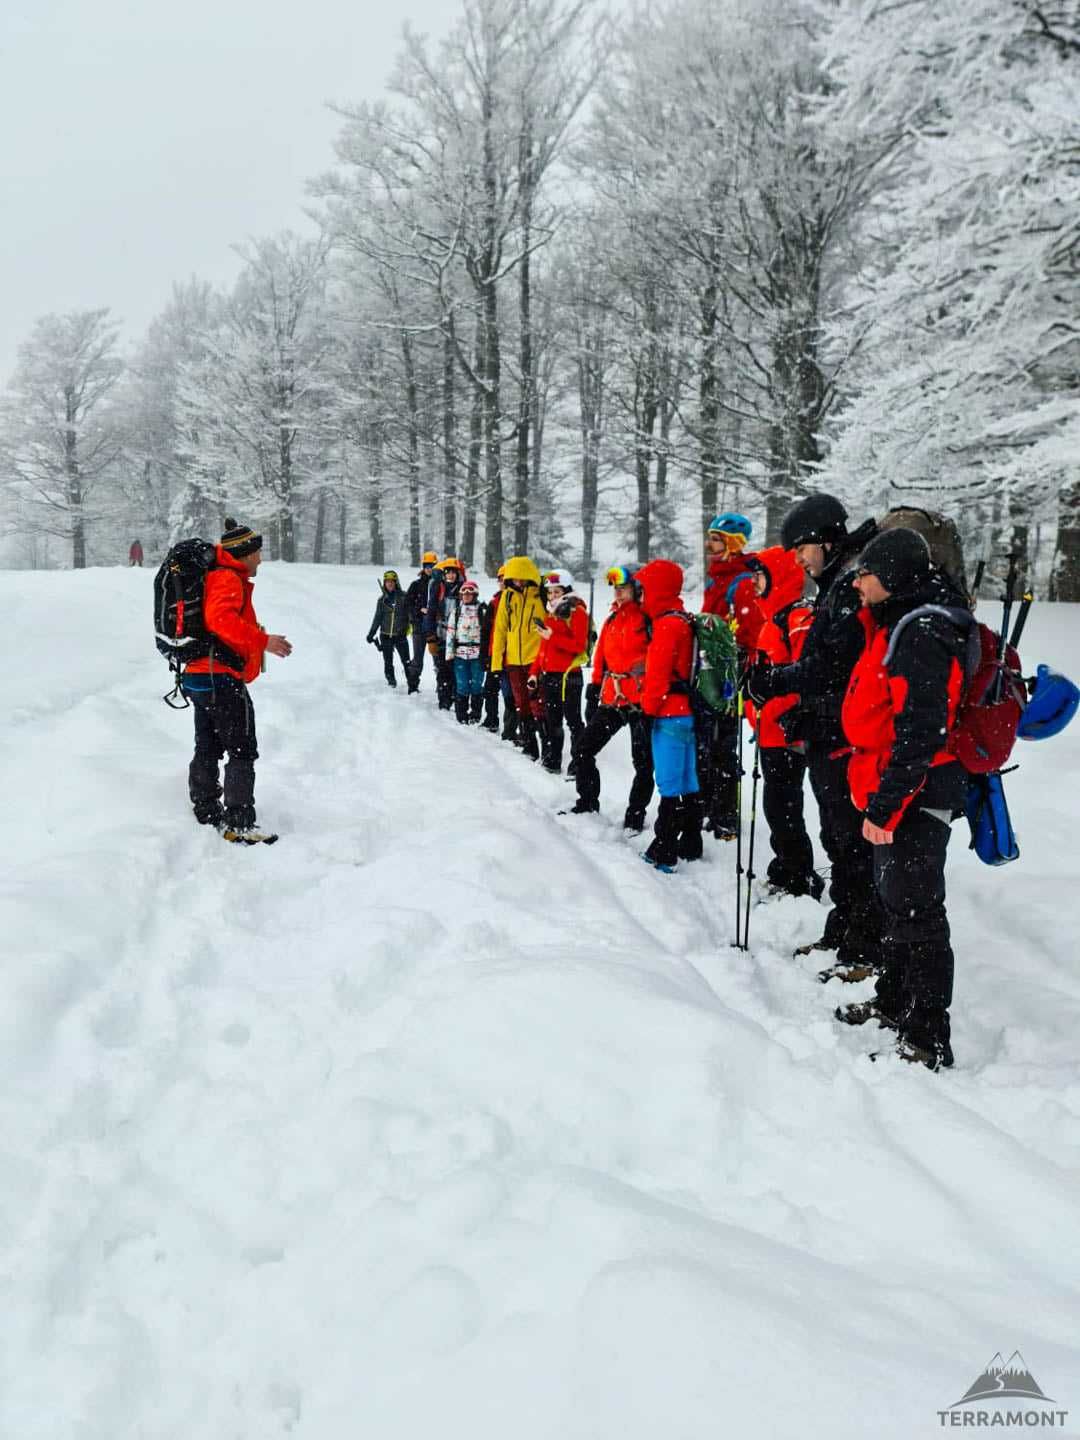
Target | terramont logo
(1016,1396)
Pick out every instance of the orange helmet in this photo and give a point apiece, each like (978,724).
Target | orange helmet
(429,557)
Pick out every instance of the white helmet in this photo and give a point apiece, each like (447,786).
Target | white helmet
(562,578)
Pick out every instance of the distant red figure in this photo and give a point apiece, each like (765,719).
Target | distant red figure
(135,555)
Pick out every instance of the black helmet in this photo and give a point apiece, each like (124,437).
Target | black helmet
(899,558)
(816,520)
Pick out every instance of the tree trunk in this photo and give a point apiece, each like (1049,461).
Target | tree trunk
(342,532)
(590,368)
(493,520)
(74,482)
(709,398)
(320,528)
(449,444)
(413,424)
(1065,572)
(476,445)
(525,406)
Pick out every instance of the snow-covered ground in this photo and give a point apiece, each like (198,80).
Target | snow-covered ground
(448,1117)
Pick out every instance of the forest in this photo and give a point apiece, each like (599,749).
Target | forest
(580,281)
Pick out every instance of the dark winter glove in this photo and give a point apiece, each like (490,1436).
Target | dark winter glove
(758,682)
(371,640)
(592,700)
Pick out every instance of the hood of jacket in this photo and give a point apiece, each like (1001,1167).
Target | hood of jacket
(661,583)
(522,569)
(786,580)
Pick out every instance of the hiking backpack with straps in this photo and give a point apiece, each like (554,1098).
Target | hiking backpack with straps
(993,696)
(714,662)
(179,589)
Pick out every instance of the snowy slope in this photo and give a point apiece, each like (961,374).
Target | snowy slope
(447,1116)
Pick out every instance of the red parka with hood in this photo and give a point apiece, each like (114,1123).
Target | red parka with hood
(671,648)
(785,624)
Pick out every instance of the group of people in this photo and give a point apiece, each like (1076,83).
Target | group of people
(839,687)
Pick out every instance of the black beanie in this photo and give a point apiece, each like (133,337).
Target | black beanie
(899,558)
(241,540)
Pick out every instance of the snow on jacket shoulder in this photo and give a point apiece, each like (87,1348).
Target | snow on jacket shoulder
(671,648)
(229,613)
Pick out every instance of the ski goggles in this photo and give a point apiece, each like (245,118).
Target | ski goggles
(620,575)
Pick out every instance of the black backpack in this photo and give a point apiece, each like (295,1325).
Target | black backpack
(179,626)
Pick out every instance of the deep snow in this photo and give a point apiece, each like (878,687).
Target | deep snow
(448,1117)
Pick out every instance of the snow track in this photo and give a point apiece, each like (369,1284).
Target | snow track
(447,1116)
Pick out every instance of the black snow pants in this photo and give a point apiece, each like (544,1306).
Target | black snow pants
(915,985)
(783,772)
(607,721)
(224,725)
(717,740)
(853,925)
(562,702)
(401,645)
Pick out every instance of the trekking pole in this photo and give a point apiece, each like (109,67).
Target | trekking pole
(980,570)
(1006,612)
(738,823)
(1021,619)
(755,776)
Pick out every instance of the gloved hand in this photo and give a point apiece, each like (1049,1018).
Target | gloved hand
(531,684)
(759,681)
(374,640)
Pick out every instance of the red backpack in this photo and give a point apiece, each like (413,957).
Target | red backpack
(984,734)
(986,722)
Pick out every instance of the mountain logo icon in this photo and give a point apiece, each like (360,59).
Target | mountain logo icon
(1003,1380)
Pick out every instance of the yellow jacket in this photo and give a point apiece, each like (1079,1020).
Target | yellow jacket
(517,640)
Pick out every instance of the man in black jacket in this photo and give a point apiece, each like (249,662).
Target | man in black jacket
(816,529)
(416,597)
(901,703)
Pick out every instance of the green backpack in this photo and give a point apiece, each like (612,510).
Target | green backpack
(714,665)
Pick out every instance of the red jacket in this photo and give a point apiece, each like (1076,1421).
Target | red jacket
(230,614)
(619,658)
(567,648)
(897,720)
(671,649)
(785,625)
(723,570)
(492,616)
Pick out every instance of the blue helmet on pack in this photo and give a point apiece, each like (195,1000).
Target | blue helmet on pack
(1053,703)
(729,523)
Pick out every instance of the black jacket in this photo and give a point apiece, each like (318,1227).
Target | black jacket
(391,616)
(416,596)
(833,644)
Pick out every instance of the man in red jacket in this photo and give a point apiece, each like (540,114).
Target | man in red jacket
(665,696)
(217,687)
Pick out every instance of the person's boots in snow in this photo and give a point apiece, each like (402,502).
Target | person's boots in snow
(689,818)
(510,724)
(634,821)
(461,709)
(583,807)
(663,853)
(476,706)
(530,746)
(861,1012)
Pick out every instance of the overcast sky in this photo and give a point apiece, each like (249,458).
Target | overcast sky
(142,138)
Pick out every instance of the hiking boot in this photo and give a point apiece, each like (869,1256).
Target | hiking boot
(634,822)
(723,827)
(583,807)
(938,1057)
(862,1012)
(851,972)
(210,815)
(657,865)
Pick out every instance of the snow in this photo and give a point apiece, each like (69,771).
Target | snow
(447,1116)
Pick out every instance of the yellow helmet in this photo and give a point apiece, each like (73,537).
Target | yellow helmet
(429,557)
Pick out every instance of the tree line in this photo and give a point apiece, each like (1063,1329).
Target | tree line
(576,278)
